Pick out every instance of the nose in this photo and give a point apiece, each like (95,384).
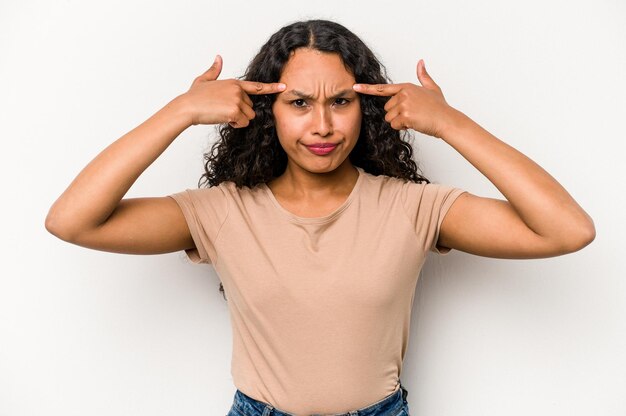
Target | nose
(322,122)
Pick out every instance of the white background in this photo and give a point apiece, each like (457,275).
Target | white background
(92,333)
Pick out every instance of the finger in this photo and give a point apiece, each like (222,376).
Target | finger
(384,90)
(239,120)
(391,115)
(257,88)
(424,78)
(247,111)
(246,99)
(214,71)
(396,119)
(391,103)
(398,123)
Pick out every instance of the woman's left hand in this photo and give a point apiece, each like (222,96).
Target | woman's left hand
(421,108)
(538,219)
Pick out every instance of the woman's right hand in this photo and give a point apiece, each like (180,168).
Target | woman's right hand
(210,101)
(91,212)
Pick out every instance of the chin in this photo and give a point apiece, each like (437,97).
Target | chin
(322,169)
(321,166)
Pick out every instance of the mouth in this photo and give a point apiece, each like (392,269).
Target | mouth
(321,149)
(322,145)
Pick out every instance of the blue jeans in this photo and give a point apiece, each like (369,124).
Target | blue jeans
(393,405)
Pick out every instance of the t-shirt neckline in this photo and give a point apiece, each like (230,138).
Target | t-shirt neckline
(316,220)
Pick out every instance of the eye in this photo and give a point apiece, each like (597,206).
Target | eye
(341,101)
(299,103)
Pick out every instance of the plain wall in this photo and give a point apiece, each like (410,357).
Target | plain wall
(87,332)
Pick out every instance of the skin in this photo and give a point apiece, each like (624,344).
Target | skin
(537,219)
(319,106)
(91,212)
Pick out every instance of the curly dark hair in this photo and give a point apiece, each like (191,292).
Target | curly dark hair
(252,155)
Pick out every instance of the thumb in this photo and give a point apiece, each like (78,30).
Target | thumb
(214,71)
(424,78)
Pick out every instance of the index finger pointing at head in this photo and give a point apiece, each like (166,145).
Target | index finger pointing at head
(385,90)
(257,88)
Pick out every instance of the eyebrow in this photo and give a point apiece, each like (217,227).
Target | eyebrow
(339,94)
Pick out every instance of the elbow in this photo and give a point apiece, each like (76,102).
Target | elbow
(588,234)
(56,226)
(580,236)
(52,225)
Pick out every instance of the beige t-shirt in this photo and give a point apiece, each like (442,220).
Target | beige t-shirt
(320,307)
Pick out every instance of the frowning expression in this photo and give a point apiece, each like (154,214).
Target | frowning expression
(318,116)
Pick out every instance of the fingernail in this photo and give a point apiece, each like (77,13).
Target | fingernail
(357,87)
(281,86)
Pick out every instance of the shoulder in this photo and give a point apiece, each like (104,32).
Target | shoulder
(414,196)
(389,186)
(211,199)
(224,189)
(382,181)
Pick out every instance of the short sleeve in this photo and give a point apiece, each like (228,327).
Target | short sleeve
(427,205)
(205,211)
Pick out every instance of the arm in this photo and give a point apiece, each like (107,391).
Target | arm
(538,219)
(91,211)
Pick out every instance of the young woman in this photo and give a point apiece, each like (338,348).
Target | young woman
(315,216)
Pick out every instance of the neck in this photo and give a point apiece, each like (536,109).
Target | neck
(298,181)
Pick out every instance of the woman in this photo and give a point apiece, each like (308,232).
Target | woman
(316,218)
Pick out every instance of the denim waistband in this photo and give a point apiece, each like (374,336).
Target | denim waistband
(389,405)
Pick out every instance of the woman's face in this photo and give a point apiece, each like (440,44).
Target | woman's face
(318,116)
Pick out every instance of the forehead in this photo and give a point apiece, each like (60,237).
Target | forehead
(309,66)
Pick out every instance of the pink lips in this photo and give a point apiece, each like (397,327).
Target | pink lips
(321,149)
